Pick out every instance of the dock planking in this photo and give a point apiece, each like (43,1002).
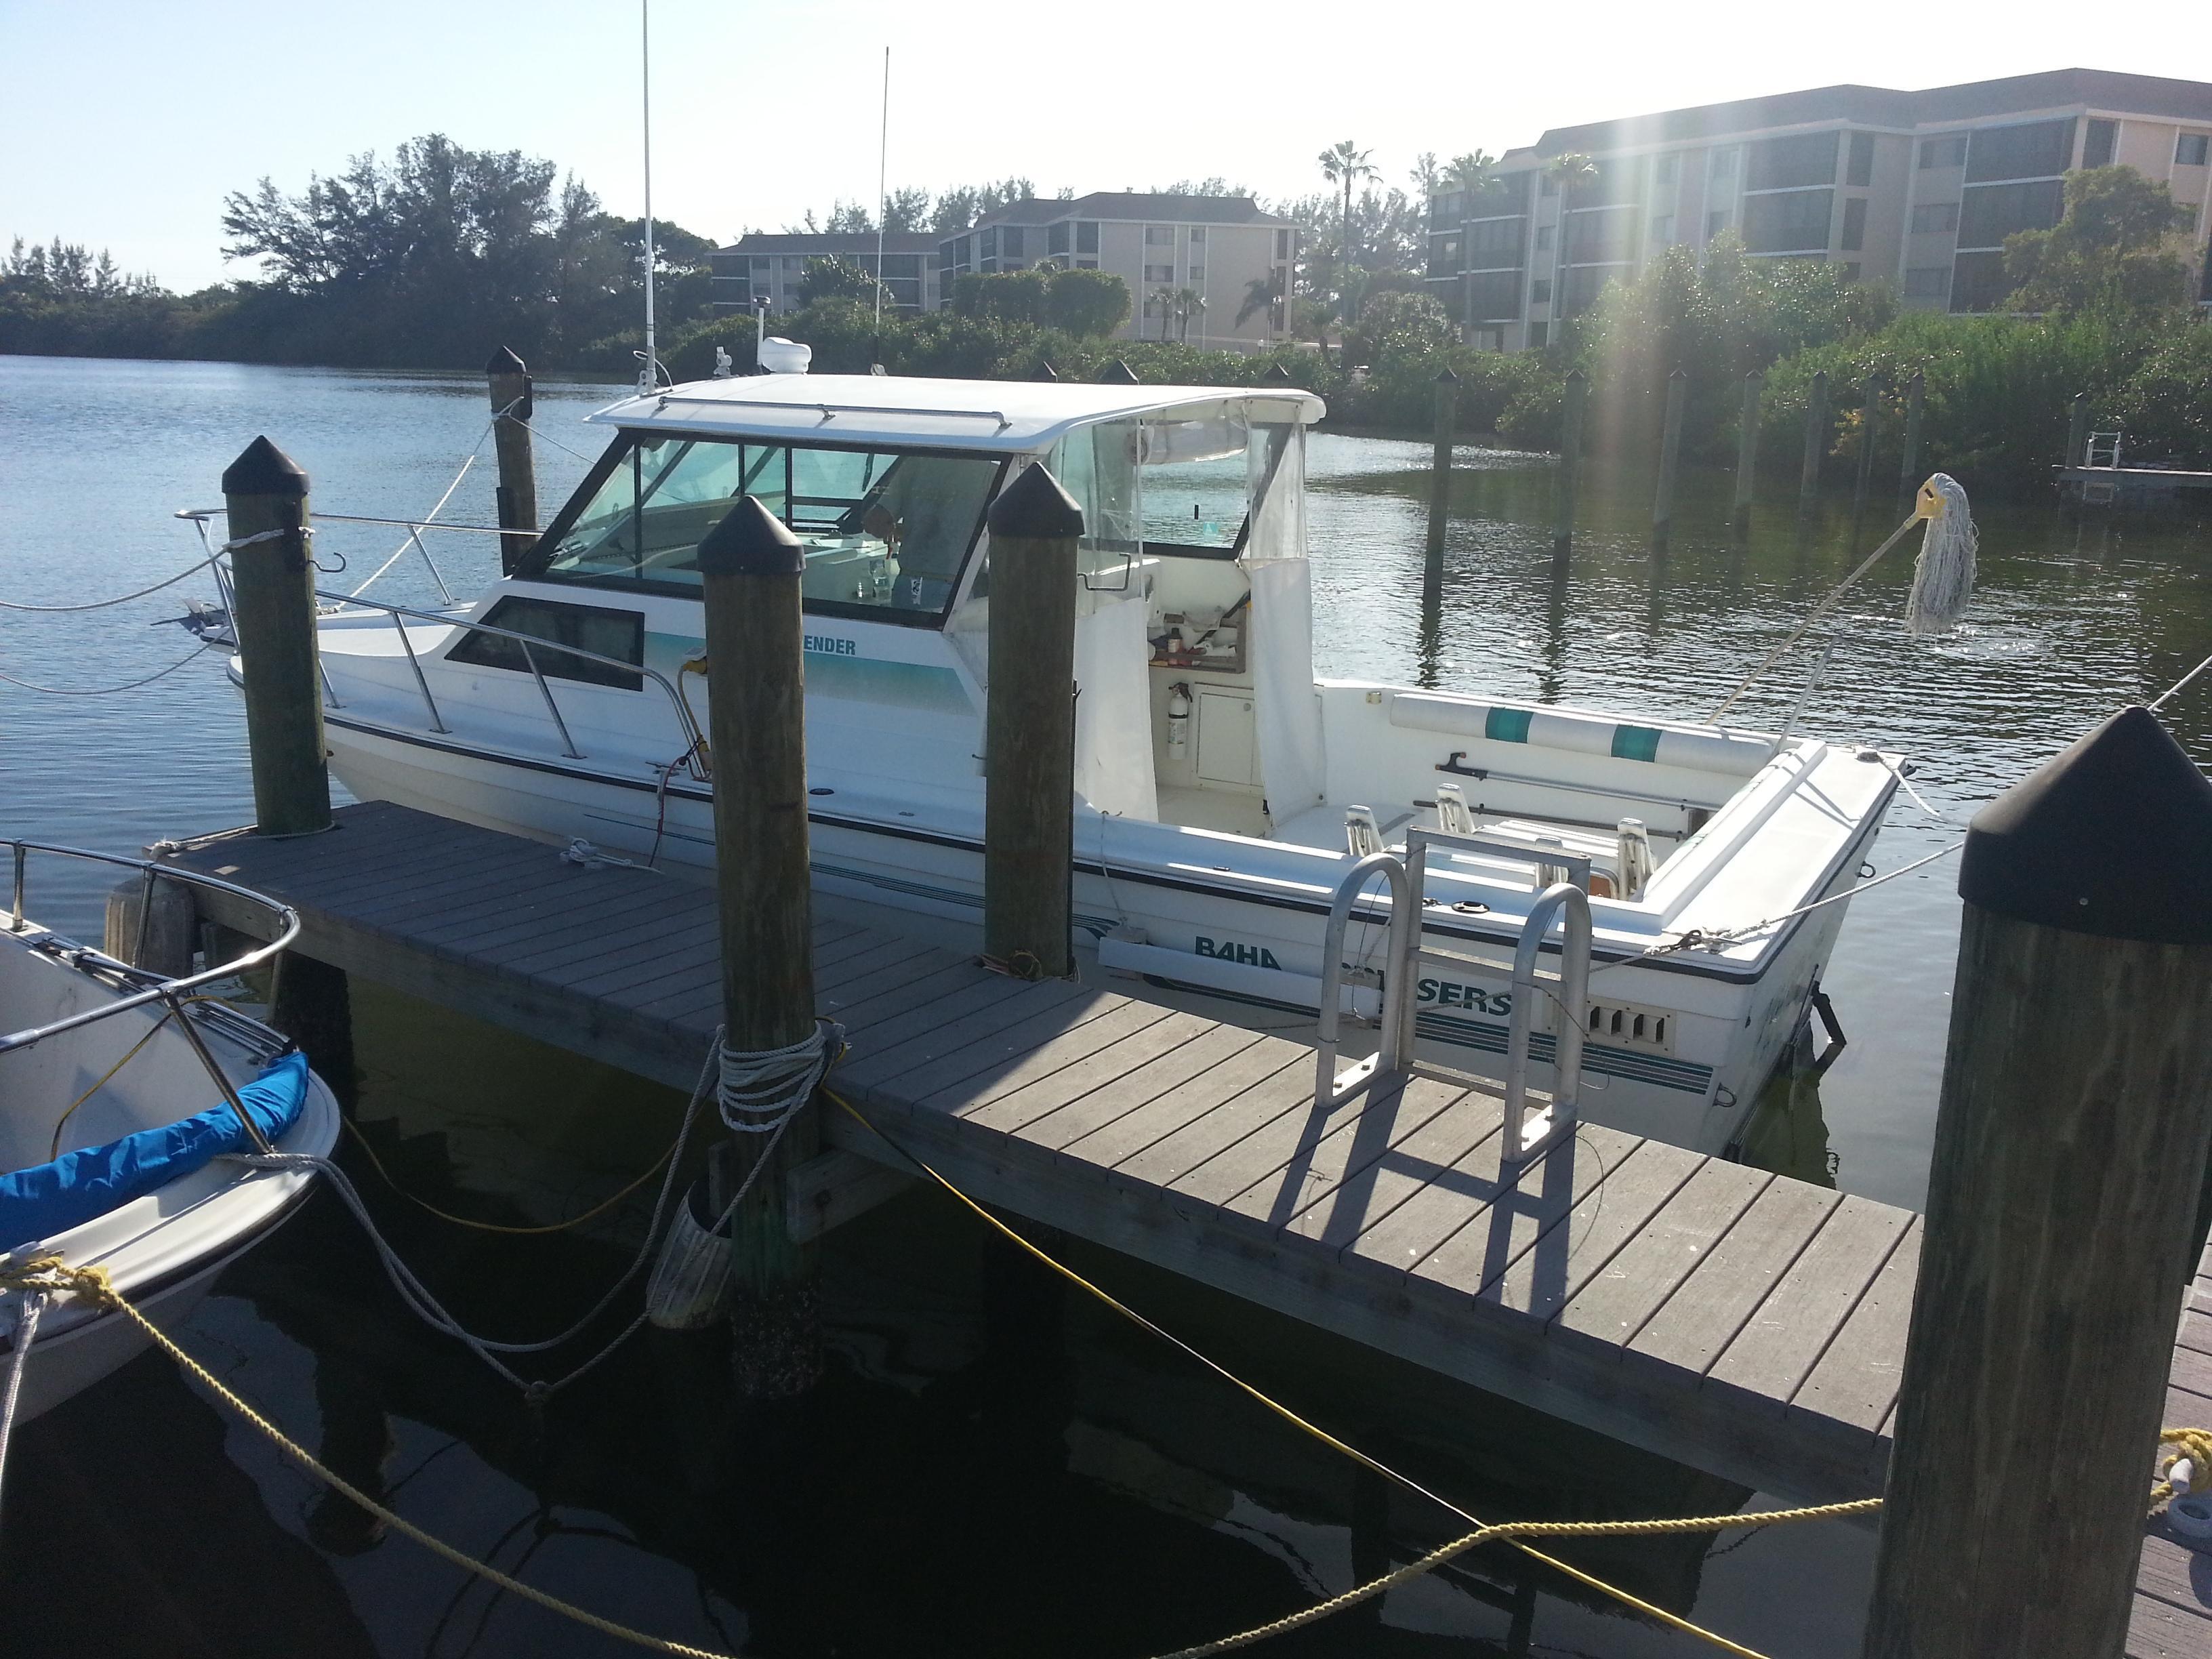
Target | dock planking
(1731,1319)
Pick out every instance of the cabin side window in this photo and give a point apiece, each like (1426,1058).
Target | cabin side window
(883,533)
(605,633)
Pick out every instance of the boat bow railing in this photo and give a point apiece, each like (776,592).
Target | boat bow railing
(1561,904)
(177,993)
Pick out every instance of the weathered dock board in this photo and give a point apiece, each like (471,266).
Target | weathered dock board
(1731,1319)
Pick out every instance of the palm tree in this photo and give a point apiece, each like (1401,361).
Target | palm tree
(1570,172)
(1259,296)
(1468,175)
(1344,165)
(1187,299)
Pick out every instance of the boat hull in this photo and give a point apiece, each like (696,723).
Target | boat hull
(1192,929)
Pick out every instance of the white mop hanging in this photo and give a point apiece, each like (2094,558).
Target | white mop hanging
(1942,576)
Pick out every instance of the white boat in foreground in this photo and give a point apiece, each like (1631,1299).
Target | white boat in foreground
(1224,791)
(118,1092)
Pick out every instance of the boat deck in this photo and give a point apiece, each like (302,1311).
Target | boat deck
(1731,1319)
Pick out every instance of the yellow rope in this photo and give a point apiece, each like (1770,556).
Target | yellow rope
(54,1147)
(599,1209)
(2195,1444)
(1483,1530)
(50,1273)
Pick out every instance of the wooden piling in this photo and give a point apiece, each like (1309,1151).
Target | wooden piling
(1877,387)
(1816,443)
(1029,742)
(1568,479)
(1908,471)
(2075,1119)
(1670,456)
(1447,418)
(749,568)
(273,605)
(154,925)
(1746,450)
(511,408)
(2077,431)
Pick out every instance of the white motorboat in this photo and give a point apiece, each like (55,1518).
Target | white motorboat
(1224,791)
(120,1092)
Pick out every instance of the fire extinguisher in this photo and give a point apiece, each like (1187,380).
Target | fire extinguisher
(1178,721)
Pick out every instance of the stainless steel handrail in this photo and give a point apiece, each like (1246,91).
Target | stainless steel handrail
(170,992)
(686,722)
(1527,1134)
(1329,1088)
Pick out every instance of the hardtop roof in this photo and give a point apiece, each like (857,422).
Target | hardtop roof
(1012,417)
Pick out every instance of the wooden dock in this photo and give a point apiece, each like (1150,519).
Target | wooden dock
(1730,1319)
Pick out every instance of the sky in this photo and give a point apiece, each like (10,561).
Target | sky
(124,122)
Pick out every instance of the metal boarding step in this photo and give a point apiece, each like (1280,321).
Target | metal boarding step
(1528,1134)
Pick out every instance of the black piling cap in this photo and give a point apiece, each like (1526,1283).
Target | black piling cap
(1278,372)
(1445,377)
(1035,506)
(1117,373)
(504,362)
(1046,371)
(262,469)
(2108,839)
(750,541)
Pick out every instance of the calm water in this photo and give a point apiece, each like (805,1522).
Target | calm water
(955,1486)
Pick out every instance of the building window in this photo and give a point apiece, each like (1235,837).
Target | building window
(2190,150)
(989,250)
(1198,273)
(1548,186)
(1855,212)
(1493,296)
(1198,235)
(1715,222)
(1992,212)
(1540,291)
(2040,149)
(1086,265)
(793,265)
(1087,236)
(1662,230)
(1807,158)
(1010,242)
(1948,151)
(1282,245)
(1980,283)
(1859,166)
(1792,221)
(1543,238)
(2103,139)
(1663,169)
(1443,256)
(1724,166)
(1927,282)
(1933,218)
(1160,235)
(1494,244)
(1055,238)
(1540,336)
(1159,273)
(1601,235)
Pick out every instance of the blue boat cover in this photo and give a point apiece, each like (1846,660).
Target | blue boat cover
(48,1199)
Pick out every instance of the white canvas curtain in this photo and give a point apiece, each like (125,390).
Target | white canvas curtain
(1286,705)
(1113,711)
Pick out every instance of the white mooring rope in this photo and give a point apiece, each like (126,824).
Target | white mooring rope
(29,1306)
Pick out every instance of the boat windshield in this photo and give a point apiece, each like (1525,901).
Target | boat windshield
(885,533)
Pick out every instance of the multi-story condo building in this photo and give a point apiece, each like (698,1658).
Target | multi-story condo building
(1167,248)
(774,267)
(1919,189)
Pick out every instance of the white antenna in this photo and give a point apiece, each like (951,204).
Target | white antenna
(883,195)
(649,373)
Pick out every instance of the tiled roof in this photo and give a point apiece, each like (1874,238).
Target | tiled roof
(1135,204)
(897,241)
(1881,107)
